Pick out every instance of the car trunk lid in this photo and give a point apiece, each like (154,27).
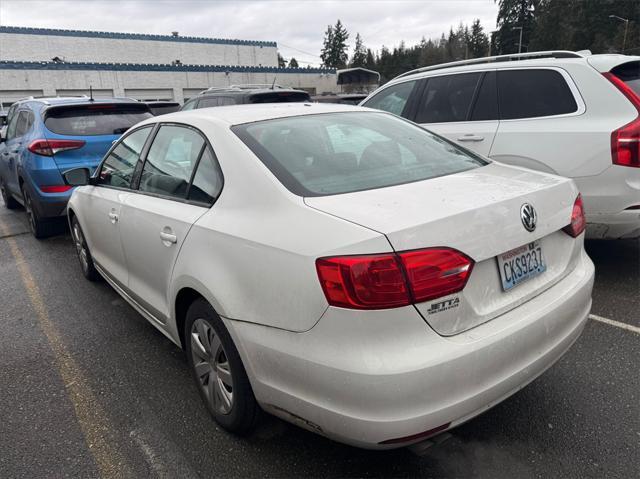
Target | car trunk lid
(477,212)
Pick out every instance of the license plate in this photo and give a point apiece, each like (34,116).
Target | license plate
(520,264)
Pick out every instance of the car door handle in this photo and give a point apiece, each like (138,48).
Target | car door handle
(168,237)
(113,217)
(471,138)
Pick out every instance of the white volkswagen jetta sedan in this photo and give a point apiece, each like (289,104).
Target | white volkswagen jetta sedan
(339,267)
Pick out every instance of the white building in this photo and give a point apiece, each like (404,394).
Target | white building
(48,62)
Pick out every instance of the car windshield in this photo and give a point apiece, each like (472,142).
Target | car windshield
(96,119)
(333,153)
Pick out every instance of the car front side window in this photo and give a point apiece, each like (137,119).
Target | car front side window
(392,99)
(172,157)
(118,168)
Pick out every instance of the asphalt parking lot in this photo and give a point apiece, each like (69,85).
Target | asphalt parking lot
(89,389)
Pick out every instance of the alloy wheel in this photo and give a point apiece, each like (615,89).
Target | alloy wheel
(211,366)
(81,247)
(29,209)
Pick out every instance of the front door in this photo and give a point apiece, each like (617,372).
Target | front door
(102,210)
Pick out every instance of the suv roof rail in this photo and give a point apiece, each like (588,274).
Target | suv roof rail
(220,88)
(499,58)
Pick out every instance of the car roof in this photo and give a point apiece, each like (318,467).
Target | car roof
(239,114)
(78,100)
(247,91)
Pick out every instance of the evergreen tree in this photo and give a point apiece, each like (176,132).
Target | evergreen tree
(334,50)
(359,53)
(513,15)
(478,41)
(281,61)
(293,63)
(327,48)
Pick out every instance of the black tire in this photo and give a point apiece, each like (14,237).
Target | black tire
(9,201)
(82,249)
(244,413)
(40,227)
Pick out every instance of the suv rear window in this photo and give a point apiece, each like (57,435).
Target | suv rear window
(630,74)
(95,119)
(279,97)
(333,153)
(533,93)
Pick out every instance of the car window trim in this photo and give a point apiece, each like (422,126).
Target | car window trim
(573,88)
(96,173)
(195,169)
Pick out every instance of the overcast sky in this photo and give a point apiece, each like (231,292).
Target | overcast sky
(297,26)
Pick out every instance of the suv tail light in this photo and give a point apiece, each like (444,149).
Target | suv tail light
(625,141)
(392,280)
(578,221)
(51,147)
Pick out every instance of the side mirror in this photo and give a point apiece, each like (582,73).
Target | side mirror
(77,177)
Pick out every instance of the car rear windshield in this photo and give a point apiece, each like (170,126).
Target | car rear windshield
(630,74)
(333,153)
(279,97)
(96,119)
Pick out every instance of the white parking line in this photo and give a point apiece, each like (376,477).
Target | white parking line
(617,324)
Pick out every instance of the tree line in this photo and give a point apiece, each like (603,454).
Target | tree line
(601,26)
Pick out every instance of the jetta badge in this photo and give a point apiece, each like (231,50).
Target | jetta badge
(528,216)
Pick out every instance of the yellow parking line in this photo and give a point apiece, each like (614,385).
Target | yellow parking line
(90,414)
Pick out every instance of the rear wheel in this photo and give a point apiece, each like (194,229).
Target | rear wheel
(40,227)
(9,201)
(217,368)
(84,255)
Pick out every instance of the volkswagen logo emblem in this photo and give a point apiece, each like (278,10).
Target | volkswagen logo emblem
(528,216)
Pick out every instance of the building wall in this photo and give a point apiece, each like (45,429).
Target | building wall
(17,83)
(23,44)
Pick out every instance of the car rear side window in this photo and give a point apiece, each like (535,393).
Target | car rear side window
(392,99)
(94,119)
(170,162)
(533,93)
(447,98)
(333,153)
(207,181)
(117,169)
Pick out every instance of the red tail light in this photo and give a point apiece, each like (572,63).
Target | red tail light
(392,280)
(578,221)
(52,147)
(55,188)
(625,141)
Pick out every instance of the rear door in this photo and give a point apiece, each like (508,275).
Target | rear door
(95,126)
(102,207)
(180,180)
(462,107)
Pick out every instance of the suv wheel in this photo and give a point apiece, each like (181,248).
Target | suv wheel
(41,228)
(217,368)
(84,255)
(9,201)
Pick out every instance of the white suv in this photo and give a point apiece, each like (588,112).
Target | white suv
(571,114)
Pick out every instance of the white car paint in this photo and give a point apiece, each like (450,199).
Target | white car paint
(360,377)
(575,145)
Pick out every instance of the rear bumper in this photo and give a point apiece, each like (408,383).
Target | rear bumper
(606,199)
(48,205)
(367,378)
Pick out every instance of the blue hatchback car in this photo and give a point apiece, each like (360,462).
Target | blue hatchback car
(46,137)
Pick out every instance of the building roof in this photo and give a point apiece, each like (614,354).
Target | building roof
(131,36)
(159,67)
